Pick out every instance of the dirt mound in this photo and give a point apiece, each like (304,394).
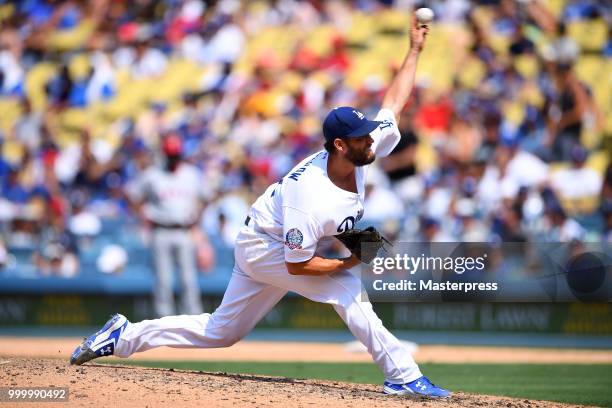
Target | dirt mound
(95,385)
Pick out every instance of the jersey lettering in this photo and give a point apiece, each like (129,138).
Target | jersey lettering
(346,224)
(277,184)
(297,173)
(359,214)
(385,124)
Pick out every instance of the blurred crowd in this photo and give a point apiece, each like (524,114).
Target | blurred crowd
(507,137)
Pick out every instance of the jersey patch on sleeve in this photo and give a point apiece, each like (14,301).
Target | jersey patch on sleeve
(294,239)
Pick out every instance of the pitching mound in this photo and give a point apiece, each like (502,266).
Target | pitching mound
(95,385)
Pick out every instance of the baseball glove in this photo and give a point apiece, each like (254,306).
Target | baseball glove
(370,238)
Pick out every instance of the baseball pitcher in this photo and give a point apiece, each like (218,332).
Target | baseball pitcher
(278,249)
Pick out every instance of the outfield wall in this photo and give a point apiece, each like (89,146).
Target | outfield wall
(293,312)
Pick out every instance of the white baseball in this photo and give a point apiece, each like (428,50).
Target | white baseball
(424,15)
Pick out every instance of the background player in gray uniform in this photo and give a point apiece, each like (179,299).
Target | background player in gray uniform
(279,250)
(171,200)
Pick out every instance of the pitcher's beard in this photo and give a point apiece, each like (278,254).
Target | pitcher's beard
(360,158)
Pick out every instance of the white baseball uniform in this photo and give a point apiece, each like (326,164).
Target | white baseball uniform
(290,222)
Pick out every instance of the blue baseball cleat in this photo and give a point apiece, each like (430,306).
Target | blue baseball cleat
(421,386)
(101,343)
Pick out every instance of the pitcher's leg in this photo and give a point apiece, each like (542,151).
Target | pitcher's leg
(343,291)
(394,360)
(245,302)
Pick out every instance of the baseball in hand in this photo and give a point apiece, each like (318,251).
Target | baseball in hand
(424,15)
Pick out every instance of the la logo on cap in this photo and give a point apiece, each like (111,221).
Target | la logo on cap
(347,121)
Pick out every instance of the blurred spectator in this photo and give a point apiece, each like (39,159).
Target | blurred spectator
(437,198)
(29,126)
(147,61)
(112,259)
(381,204)
(606,204)
(606,188)
(464,139)
(153,123)
(431,231)
(223,218)
(57,251)
(507,225)
(491,124)
(578,181)
(60,88)
(224,46)
(101,85)
(400,166)
(562,228)
(4,256)
(607,224)
(80,165)
(12,74)
(469,227)
(12,189)
(566,112)
(523,168)
(532,133)
(55,260)
(511,170)
(83,223)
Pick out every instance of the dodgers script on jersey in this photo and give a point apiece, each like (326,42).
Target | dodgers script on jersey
(306,206)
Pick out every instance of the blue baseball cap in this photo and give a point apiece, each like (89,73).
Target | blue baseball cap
(346,122)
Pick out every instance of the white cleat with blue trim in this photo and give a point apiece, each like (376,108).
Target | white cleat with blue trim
(101,343)
(421,386)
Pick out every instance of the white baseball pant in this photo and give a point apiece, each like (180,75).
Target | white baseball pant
(259,280)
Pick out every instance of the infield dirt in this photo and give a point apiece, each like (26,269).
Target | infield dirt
(42,362)
(96,385)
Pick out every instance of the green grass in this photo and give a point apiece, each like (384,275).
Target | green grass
(571,383)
